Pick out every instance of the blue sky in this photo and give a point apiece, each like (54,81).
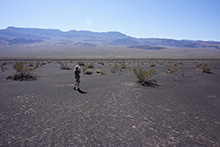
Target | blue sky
(174,19)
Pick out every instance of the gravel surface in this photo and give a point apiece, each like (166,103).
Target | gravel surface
(115,111)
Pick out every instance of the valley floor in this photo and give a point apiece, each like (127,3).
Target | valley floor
(116,111)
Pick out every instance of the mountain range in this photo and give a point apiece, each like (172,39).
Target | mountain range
(21,36)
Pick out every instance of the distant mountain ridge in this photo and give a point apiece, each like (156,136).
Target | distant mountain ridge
(18,36)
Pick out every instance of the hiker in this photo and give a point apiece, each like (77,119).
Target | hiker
(77,71)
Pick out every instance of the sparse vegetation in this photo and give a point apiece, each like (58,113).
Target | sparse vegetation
(85,68)
(182,71)
(144,76)
(197,64)
(88,72)
(114,68)
(19,67)
(4,63)
(101,62)
(205,68)
(151,64)
(123,65)
(23,72)
(37,64)
(64,66)
(173,71)
(3,66)
(180,63)
(81,63)
(91,65)
(31,64)
(100,72)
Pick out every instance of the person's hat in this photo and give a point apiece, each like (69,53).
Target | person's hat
(77,66)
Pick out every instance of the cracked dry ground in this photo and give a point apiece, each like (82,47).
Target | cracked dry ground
(114,112)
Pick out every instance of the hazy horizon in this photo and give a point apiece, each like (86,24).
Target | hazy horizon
(180,20)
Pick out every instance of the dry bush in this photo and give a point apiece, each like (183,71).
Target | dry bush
(4,63)
(101,62)
(180,63)
(151,64)
(88,72)
(144,76)
(182,71)
(19,67)
(23,73)
(175,64)
(85,68)
(205,68)
(161,63)
(3,66)
(37,65)
(23,77)
(64,66)
(43,63)
(173,71)
(91,65)
(114,68)
(81,63)
(197,64)
(100,72)
(123,65)
(31,64)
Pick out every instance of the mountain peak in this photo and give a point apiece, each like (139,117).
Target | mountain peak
(35,35)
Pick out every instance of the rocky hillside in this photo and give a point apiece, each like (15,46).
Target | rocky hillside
(17,36)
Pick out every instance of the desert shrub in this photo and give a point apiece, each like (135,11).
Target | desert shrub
(175,64)
(205,68)
(151,64)
(85,68)
(19,67)
(31,64)
(173,71)
(91,65)
(80,63)
(180,63)
(4,63)
(161,63)
(101,62)
(100,72)
(123,65)
(182,71)
(88,72)
(144,76)
(64,66)
(37,65)
(198,64)
(3,66)
(23,72)
(23,77)
(114,68)
(43,63)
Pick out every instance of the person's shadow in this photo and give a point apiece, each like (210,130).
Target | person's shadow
(81,91)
